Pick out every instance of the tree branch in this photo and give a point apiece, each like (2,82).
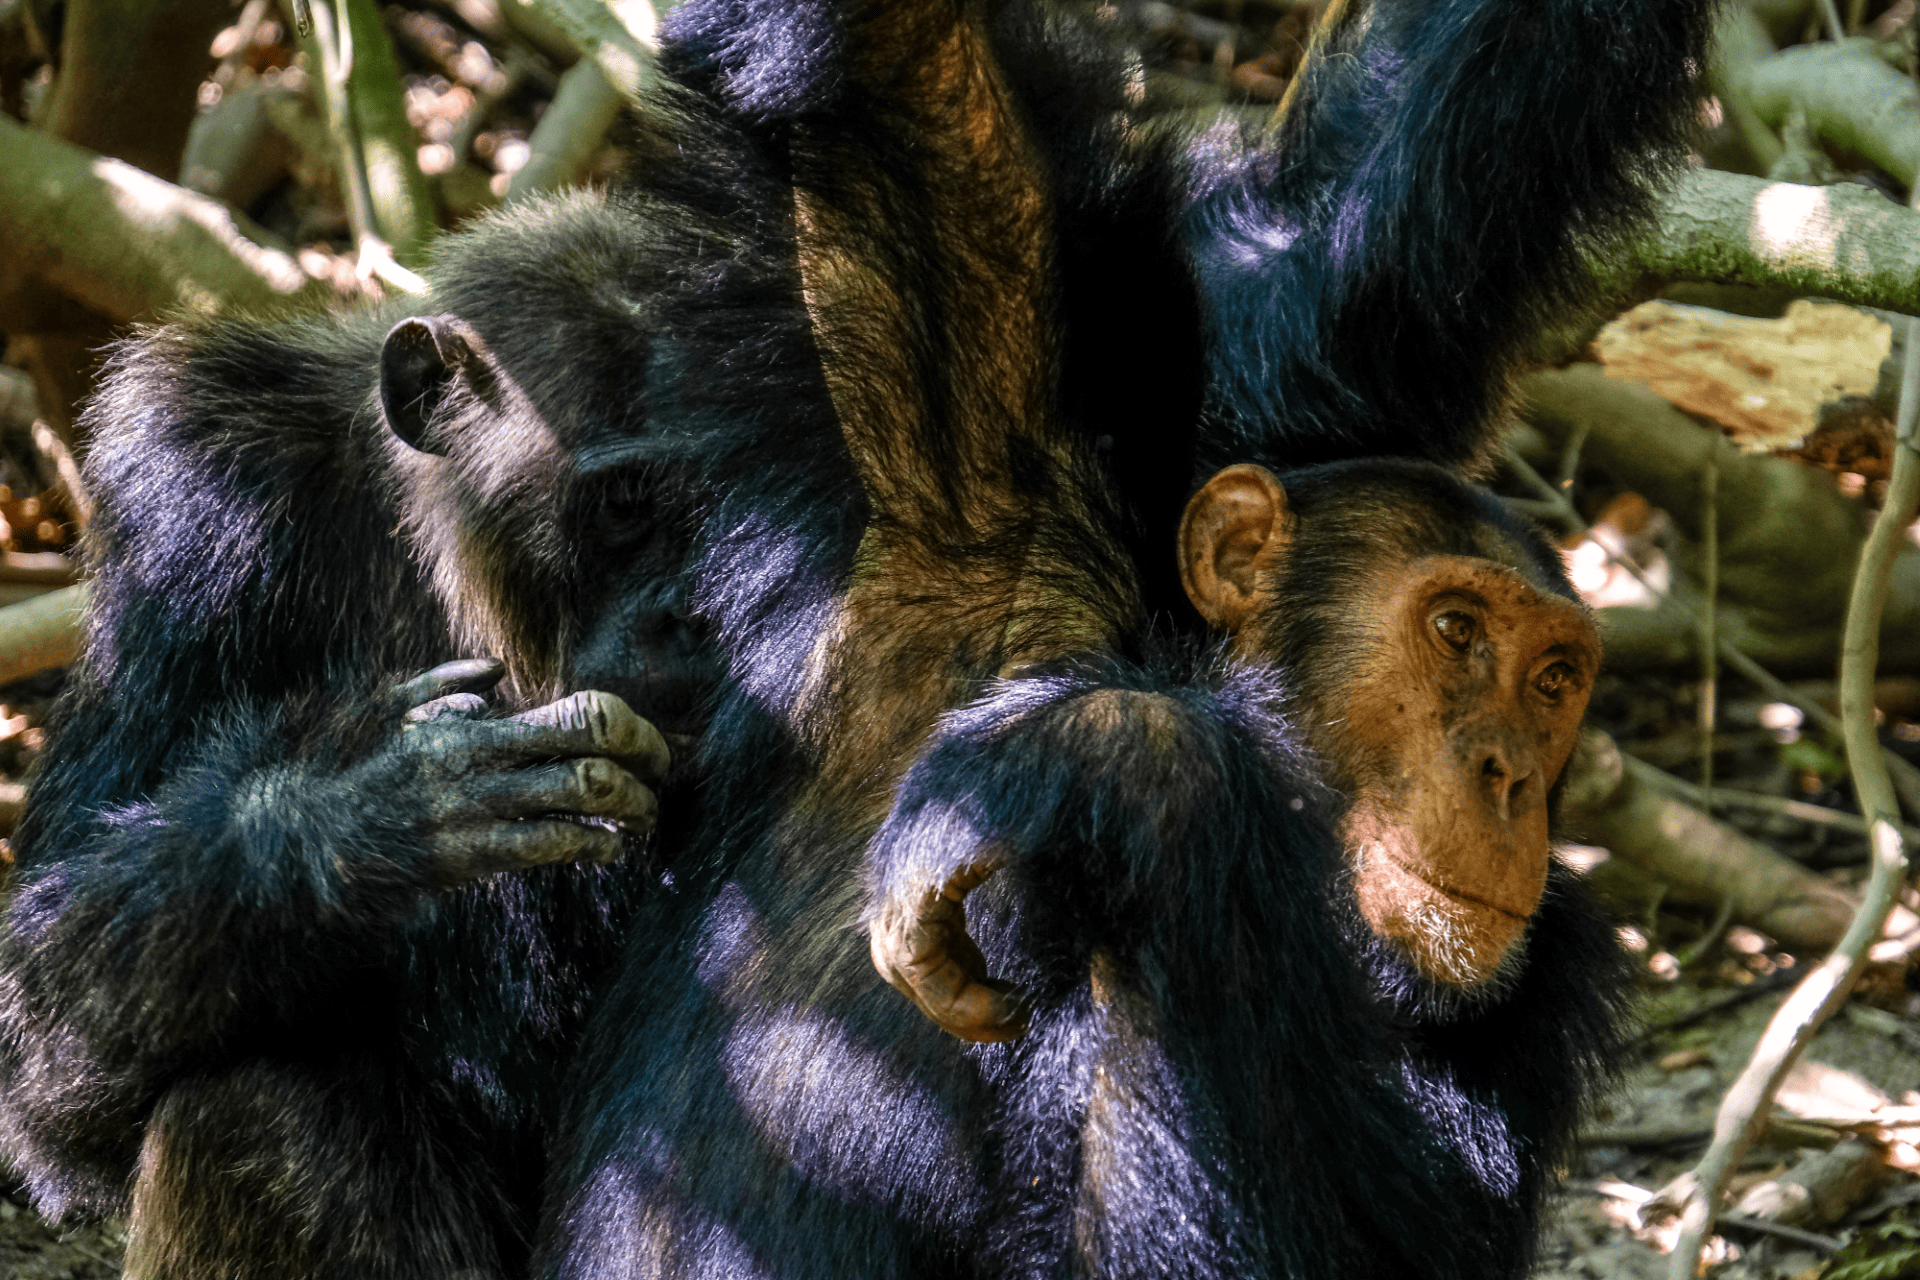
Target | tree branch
(1851,98)
(129,244)
(1844,242)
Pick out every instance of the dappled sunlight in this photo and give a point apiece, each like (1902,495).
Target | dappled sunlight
(839,1113)
(845,1115)
(1795,226)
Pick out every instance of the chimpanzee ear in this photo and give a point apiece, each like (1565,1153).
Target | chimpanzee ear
(418,363)
(1233,534)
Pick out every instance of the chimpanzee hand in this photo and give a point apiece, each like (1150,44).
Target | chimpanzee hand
(559,783)
(928,957)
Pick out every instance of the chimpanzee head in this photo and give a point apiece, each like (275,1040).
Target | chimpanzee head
(1442,665)
(533,489)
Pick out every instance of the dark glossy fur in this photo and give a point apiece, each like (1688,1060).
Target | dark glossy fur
(230,1000)
(236,1004)
(1225,1076)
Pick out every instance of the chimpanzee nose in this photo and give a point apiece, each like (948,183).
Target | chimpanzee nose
(1507,781)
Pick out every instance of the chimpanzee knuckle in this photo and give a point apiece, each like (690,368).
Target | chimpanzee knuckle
(570,717)
(610,791)
(591,788)
(443,746)
(630,738)
(597,783)
(986,1013)
(616,729)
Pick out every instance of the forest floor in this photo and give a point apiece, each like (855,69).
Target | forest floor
(1706,994)
(1656,1125)
(31,1249)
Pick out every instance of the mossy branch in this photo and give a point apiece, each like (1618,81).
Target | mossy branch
(1844,242)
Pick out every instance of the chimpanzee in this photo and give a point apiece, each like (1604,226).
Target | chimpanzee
(1235,1051)
(1288,983)
(263,991)
(260,990)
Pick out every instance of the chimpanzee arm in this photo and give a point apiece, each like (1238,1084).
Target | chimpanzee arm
(1106,795)
(1371,265)
(237,829)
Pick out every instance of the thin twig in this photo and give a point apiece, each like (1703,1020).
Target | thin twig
(1774,983)
(1830,14)
(1811,1239)
(1906,778)
(335,39)
(1743,1110)
(1703,945)
(1709,623)
(333,35)
(66,471)
(1570,453)
(1799,810)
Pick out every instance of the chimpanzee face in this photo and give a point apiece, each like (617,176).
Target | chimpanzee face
(1444,692)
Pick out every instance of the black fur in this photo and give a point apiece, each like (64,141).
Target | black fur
(229,981)
(1224,1076)
(238,1003)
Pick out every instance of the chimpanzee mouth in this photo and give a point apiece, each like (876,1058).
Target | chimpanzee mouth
(1457,896)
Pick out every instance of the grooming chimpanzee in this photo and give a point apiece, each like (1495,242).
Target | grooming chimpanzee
(262,991)
(1257,1026)
(256,988)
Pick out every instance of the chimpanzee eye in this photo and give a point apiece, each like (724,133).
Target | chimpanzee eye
(1554,681)
(1457,629)
(618,511)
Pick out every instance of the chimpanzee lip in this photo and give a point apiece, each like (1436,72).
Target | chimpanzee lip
(1455,895)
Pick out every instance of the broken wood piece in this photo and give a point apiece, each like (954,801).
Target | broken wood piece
(1760,381)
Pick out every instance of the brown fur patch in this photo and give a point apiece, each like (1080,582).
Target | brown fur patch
(941,374)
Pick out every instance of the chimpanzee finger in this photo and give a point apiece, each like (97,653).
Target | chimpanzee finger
(591,787)
(463,675)
(588,723)
(515,846)
(465,705)
(931,960)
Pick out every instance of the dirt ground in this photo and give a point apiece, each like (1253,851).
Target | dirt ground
(1655,1127)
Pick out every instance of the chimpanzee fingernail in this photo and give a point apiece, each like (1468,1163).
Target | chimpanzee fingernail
(463,675)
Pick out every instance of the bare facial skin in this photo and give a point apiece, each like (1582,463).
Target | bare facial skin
(1458,709)
(1462,721)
